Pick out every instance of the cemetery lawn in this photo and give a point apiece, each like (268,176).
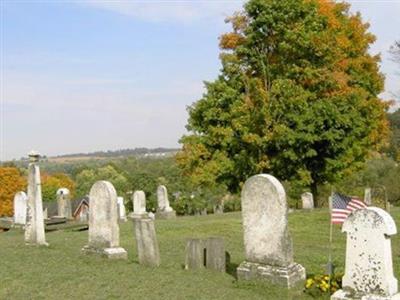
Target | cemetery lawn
(61,271)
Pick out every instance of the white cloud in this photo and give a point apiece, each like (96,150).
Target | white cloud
(169,10)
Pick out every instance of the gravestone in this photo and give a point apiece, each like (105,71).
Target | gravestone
(20,200)
(121,209)
(103,222)
(268,245)
(368,197)
(215,254)
(203,212)
(139,205)
(164,211)
(146,242)
(194,259)
(369,267)
(34,227)
(307,200)
(218,208)
(64,203)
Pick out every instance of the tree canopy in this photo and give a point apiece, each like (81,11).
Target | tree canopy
(296,97)
(11,182)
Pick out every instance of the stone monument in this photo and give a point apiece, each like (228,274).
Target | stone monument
(121,209)
(20,200)
(268,245)
(146,242)
(139,205)
(164,211)
(368,196)
(369,269)
(307,200)
(34,227)
(64,203)
(103,222)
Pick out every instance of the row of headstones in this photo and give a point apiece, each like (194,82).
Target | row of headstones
(268,245)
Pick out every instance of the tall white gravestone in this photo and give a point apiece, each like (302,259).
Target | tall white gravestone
(103,222)
(369,268)
(139,205)
(368,196)
(34,227)
(268,245)
(164,211)
(307,200)
(121,209)
(20,200)
(64,203)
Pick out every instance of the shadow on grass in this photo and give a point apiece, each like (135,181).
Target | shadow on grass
(230,267)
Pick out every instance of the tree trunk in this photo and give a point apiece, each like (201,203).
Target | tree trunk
(314,191)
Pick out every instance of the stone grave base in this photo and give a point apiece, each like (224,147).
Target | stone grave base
(111,253)
(289,276)
(165,215)
(138,216)
(342,295)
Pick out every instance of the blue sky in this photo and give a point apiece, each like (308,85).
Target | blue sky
(81,76)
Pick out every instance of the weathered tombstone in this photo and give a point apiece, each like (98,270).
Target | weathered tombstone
(20,200)
(139,205)
(368,196)
(218,208)
(268,245)
(64,203)
(103,222)
(34,227)
(204,212)
(146,242)
(121,209)
(194,259)
(164,211)
(215,254)
(369,269)
(307,200)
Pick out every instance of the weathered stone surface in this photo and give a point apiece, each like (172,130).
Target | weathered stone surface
(368,196)
(194,254)
(64,203)
(369,269)
(215,254)
(20,200)
(218,209)
(204,212)
(121,209)
(34,227)
(164,211)
(103,220)
(146,242)
(139,205)
(268,245)
(307,200)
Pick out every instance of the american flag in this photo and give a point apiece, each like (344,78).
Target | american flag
(342,206)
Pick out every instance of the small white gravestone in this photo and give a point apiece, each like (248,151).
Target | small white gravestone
(20,200)
(268,245)
(34,227)
(369,270)
(64,203)
(164,211)
(368,196)
(103,222)
(139,205)
(121,209)
(307,200)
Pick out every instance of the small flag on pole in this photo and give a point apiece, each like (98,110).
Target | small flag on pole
(342,206)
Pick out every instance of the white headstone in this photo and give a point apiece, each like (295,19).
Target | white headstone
(121,209)
(20,200)
(64,203)
(139,203)
(368,196)
(164,211)
(307,200)
(268,245)
(103,221)
(369,269)
(34,227)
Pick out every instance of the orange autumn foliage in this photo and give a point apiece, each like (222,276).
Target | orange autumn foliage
(11,182)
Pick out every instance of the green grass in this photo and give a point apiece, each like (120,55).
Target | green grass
(60,271)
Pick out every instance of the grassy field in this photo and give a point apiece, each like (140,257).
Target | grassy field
(60,271)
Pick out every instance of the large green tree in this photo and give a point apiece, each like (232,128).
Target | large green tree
(296,97)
